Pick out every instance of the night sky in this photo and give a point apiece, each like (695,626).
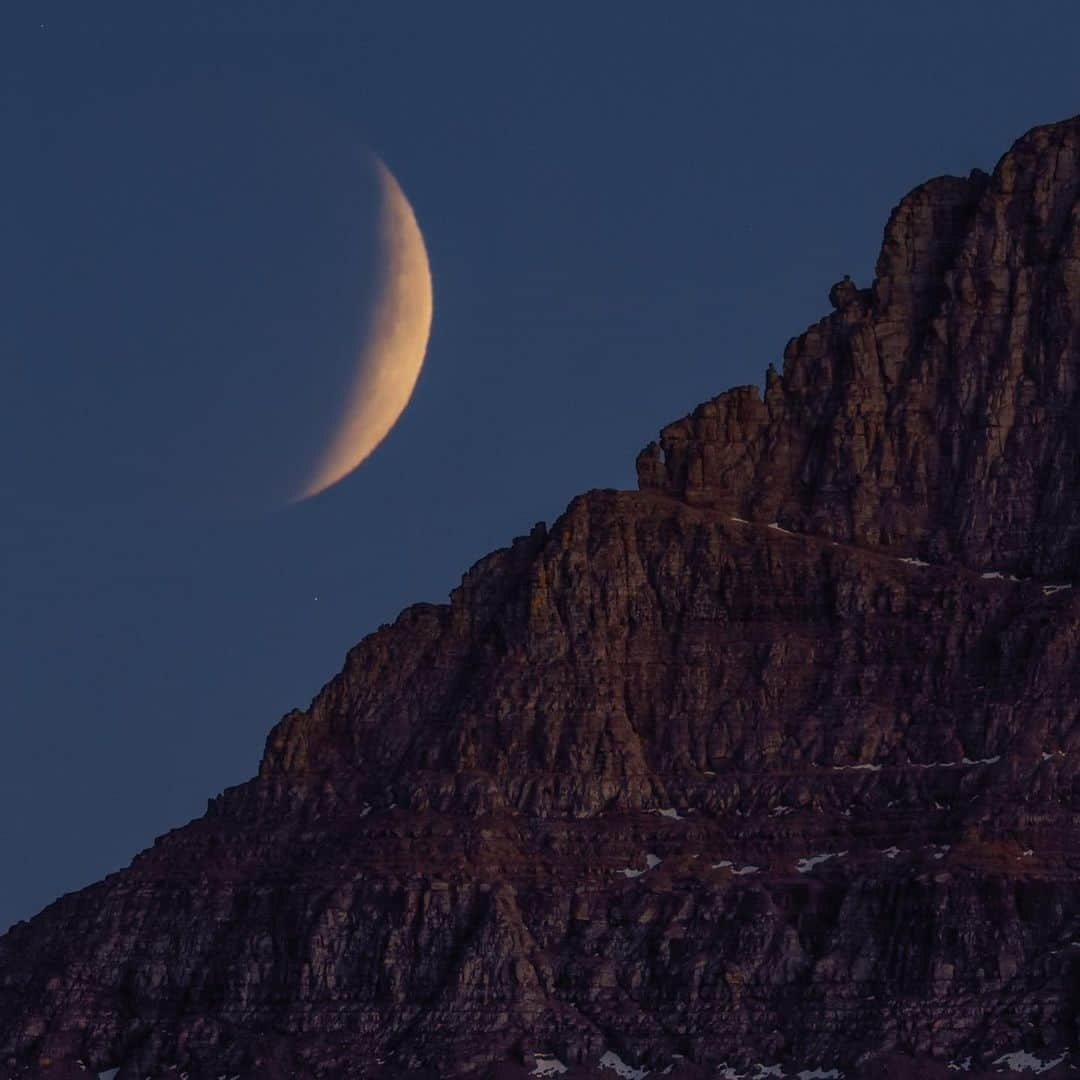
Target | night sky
(628,208)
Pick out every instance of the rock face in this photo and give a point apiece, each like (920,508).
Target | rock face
(774,762)
(935,413)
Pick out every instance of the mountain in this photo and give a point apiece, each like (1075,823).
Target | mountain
(770,767)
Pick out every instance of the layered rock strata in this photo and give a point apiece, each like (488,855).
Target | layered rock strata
(770,766)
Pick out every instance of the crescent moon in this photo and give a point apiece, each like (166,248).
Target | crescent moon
(394,348)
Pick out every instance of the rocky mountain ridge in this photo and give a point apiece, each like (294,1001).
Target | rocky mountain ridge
(771,767)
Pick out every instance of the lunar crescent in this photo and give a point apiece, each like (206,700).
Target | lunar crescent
(393,350)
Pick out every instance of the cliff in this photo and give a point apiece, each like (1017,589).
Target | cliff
(771,766)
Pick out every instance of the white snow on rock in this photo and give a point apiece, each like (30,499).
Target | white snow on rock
(1049,590)
(915,562)
(612,1061)
(780,811)
(961,1066)
(547,1065)
(963,762)
(741,521)
(670,812)
(890,852)
(804,866)
(760,1072)
(1022,1061)
(749,868)
(864,768)
(651,862)
(777,526)
(942,849)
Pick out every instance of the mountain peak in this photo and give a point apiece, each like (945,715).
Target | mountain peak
(933,414)
(769,767)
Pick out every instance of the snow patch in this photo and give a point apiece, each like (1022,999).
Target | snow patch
(1049,590)
(915,562)
(961,1066)
(760,1072)
(1022,1061)
(777,526)
(612,1061)
(963,762)
(547,1065)
(651,862)
(942,850)
(890,852)
(780,811)
(749,868)
(741,521)
(864,768)
(670,812)
(804,866)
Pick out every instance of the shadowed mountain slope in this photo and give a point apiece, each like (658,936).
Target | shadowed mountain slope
(774,762)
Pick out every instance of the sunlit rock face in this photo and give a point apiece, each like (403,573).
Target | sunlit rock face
(770,767)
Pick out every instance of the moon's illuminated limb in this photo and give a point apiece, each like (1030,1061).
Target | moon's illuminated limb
(393,352)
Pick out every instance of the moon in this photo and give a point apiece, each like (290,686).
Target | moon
(394,347)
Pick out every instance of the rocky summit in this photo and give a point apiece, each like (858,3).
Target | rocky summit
(768,768)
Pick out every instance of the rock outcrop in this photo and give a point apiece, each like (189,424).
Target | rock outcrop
(936,412)
(772,765)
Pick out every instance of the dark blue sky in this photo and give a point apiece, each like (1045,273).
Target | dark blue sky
(628,208)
